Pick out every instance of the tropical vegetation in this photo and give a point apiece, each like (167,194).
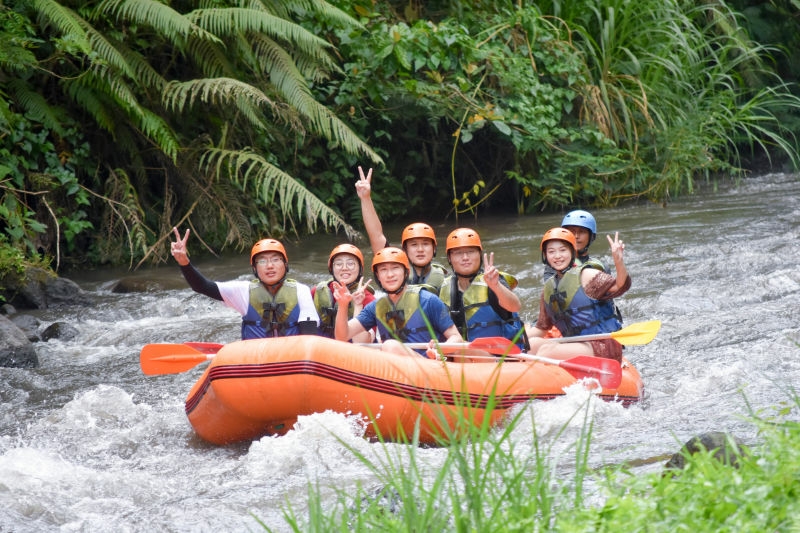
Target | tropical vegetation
(120,119)
(496,482)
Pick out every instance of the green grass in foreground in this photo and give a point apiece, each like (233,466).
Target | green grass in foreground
(489,483)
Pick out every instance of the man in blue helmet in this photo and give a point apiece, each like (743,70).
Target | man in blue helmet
(583,225)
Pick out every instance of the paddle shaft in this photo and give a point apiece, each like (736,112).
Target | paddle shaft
(582,338)
(564,363)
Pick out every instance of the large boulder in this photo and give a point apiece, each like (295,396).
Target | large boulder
(15,348)
(37,288)
(723,446)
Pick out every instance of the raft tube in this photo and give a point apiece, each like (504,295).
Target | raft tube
(259,387)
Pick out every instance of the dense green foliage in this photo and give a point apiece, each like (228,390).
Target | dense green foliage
(122,118)
(494,483)
(155,115)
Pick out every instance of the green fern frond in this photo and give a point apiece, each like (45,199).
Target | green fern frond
(212,59)
(230,21)
(156,129)
(124,60)
(273,187)
(170,24)
(64,20)
(325,11)
(87,98)
(35,106)
(291,85)
(221,92)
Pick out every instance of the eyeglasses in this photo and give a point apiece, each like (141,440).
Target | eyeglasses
(349,263)
(468,252)
(271,260)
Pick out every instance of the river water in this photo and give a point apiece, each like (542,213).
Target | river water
(88,443)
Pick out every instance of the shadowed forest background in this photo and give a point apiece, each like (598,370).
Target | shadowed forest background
(122,118)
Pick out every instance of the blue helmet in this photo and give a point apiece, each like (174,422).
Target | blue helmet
(584,219)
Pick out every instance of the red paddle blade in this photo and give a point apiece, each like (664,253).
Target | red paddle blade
(205,347)
(495,345)
(170,358)
(607,372)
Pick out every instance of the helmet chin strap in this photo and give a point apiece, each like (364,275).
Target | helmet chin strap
(470,277)
(399,289)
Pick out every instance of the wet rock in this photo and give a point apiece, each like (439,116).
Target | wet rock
(127,285)
(59,330)
(29,325)
(38,288)
(15,348)
(726,448)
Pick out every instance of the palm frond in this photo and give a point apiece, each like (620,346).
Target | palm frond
(273,187)
(170,24)
(35,106)
(220,92)
(64,20)
(291,85)
(325,11)
(230,21)
(124,60)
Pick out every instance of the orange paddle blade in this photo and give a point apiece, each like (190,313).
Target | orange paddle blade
(170,358)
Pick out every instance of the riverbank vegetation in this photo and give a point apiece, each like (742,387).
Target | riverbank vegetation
(488,483)
(121,118)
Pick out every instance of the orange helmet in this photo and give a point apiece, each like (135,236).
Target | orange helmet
(463,237)
(346,249)
(559,234)
(417,229)
(390,255)
(268,245)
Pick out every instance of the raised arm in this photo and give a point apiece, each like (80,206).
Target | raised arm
(377,240)
(617,252)
(507,299)
(193,277)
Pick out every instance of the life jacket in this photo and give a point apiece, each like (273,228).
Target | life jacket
(431,282)
(572,311)
(402,321)
(327,307)
(477,313)
(271,316)
(589,262)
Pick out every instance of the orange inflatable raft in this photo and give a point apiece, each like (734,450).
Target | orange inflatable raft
(259,387)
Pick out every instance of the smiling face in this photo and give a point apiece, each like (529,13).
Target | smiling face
(345,268)
(390,275)
(419,251)
(582,236)
(558,254)
(270,267)
(465,260)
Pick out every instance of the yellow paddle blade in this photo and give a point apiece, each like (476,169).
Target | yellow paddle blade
(637,334)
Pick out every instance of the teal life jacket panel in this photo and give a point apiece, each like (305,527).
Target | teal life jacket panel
(271,316)
(572,311)
(477,313)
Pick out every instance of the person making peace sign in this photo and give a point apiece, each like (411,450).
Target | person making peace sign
(481,299)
